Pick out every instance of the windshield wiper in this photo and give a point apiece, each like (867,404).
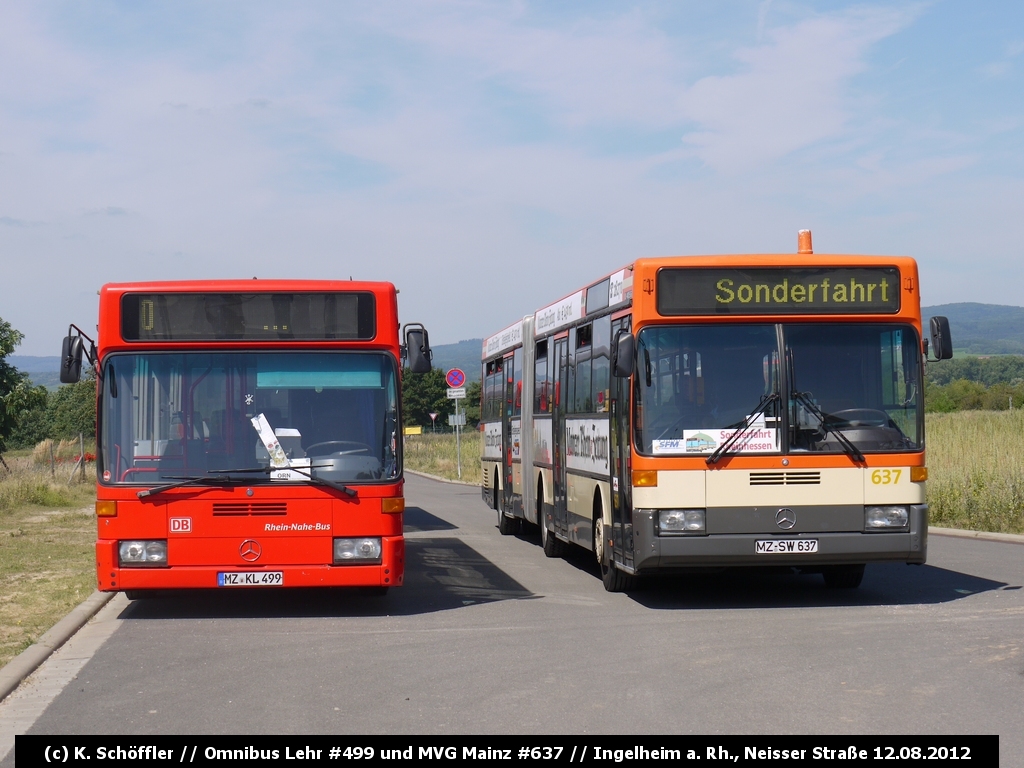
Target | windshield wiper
(316,480)
(851,449)
(743,426)
(182,482)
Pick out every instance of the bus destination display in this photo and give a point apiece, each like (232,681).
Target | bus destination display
(247,316)
(772,290)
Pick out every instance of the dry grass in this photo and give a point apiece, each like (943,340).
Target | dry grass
(976,470)
(47,551)
(436,455)
(60,451)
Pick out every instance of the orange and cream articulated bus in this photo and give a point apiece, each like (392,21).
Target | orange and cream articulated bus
(715,411)
(248,434)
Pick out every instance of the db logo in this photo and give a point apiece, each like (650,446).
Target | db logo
(181,525)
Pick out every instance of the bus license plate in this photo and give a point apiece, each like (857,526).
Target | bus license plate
(786,547)
(251,579)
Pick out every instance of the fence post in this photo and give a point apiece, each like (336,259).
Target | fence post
(53,471)
(81,452)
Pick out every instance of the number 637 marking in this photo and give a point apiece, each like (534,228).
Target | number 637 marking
(886,476)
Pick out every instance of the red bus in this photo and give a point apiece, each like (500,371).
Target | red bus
(248,434)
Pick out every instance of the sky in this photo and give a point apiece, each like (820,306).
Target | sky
(491,157)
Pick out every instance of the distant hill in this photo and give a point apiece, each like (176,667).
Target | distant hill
(30,364)
(43,371)
(465,355)
(982,329)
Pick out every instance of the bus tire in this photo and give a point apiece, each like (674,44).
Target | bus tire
(136,594)
(506,525)
(843,576)
(613,579)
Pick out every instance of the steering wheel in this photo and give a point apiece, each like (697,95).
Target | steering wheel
(860,417)
(337,446)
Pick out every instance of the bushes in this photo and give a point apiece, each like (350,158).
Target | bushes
(61,415)
(975,384)
(964,395)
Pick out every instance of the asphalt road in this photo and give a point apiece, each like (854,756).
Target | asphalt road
(489,636)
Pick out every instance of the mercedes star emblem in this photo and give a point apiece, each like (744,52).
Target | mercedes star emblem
(785,518)
(250,550)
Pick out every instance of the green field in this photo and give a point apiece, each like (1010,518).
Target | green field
(436,454)
(976,470)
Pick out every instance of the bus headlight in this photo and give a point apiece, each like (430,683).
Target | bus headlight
(681,520)
(151,552)
(356,550)
(885,517)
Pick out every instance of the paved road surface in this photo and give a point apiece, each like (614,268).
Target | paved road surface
(489,636)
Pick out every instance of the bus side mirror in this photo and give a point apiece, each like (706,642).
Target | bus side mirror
(71,360)
(417,349)
(622,355)
(942,342)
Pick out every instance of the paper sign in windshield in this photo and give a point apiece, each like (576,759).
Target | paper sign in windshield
(756,439)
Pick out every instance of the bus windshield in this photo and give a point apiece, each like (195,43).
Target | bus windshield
(174,415)
(851,388)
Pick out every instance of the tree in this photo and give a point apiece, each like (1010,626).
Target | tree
(71,410)
(17,395)
(471,405)
(423,393)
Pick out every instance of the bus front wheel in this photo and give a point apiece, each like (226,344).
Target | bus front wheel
(613,579)
(548,541)
(506,525)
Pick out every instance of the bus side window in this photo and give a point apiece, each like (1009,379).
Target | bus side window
(540,385)
(601,372)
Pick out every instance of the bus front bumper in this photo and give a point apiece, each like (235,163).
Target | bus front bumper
(113,577)
(653,552)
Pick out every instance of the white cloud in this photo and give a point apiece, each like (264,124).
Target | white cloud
(432,145)
(790,92)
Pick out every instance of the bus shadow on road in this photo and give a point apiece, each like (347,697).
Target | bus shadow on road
(418,520)
(783,587)
(442,574)
(884,584)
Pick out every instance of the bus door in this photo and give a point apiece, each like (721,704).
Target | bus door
(561,379)
(622,507)
(508,402)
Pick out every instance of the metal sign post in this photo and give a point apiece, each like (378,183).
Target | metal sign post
(455,379)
